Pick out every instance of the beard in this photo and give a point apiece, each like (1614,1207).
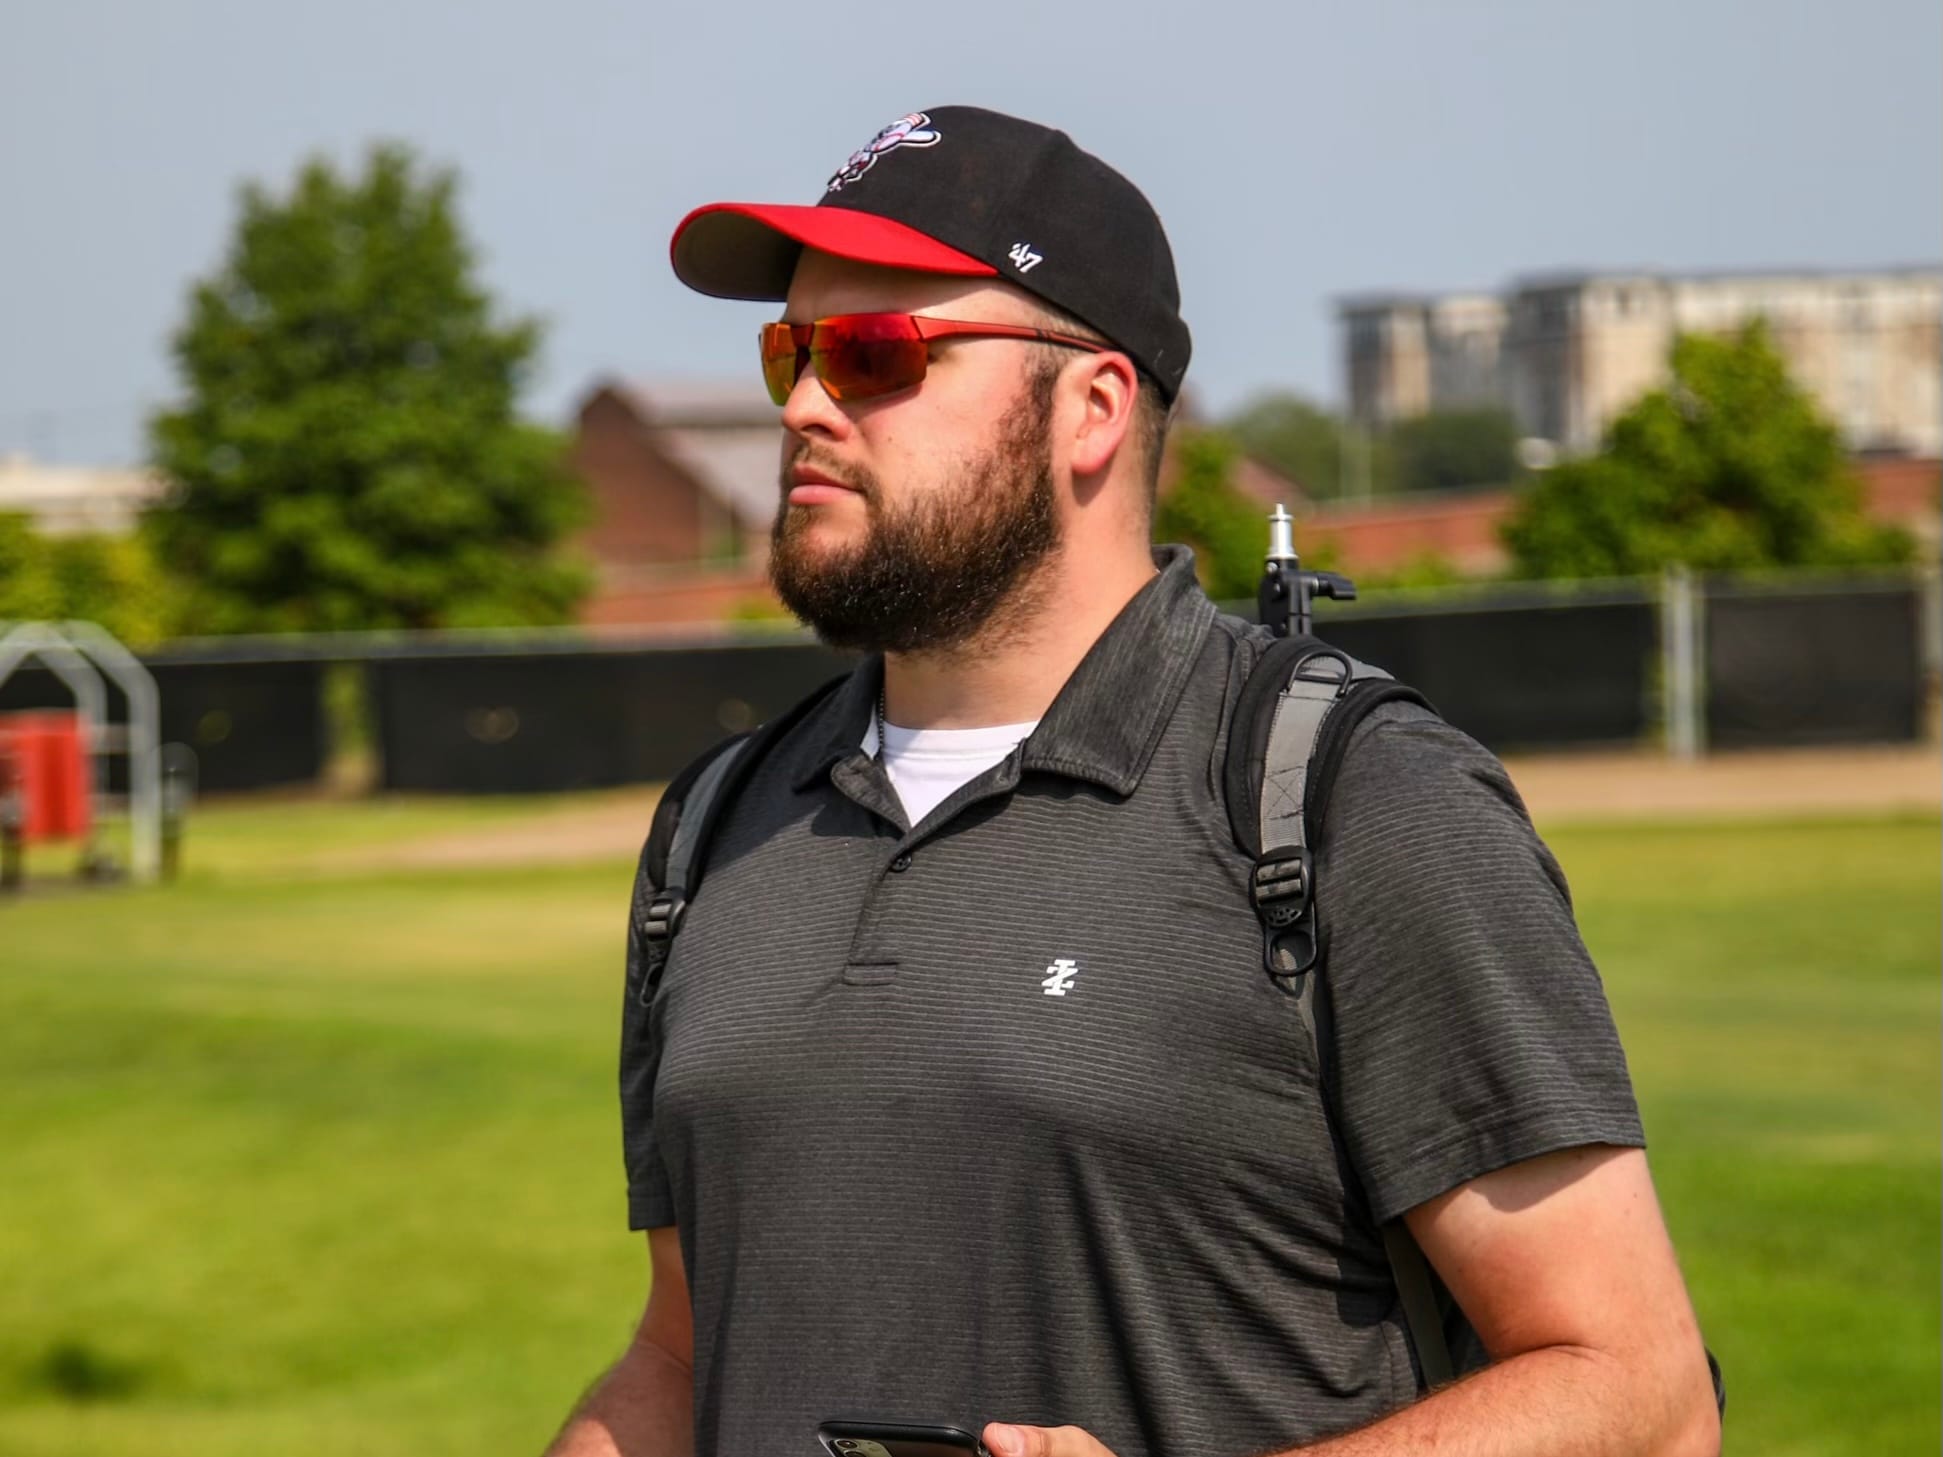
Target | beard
(932,574)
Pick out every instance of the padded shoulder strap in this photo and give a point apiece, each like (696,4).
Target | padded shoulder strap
(1293,720)
(667,813)
(1316,676)
(717,779)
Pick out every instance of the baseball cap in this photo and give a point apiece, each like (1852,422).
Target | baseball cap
(966,191)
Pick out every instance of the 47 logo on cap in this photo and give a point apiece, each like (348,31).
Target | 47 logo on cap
(914,130)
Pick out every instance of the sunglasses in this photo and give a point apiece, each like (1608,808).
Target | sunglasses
(861,356)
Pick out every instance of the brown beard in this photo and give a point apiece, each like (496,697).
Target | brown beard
(932,574)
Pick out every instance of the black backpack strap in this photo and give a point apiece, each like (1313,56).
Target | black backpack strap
(685,823)
(1417,1289)
(1292,723)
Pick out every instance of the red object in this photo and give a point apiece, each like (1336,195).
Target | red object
(859,356)
(748,230)
(49,759)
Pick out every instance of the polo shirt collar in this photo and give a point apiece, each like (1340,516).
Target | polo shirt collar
(1108,718)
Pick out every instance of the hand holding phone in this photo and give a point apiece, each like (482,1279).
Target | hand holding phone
(896,1439)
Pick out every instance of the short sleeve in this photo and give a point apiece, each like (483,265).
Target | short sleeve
(1471,1028)
(650,1201)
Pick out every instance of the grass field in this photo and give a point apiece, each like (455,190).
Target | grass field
(303,1158)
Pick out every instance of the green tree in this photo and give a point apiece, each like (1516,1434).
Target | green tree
(1301,440)
(1447,450)
(1729,467)
(1204,509)
(348,453)
(110,580)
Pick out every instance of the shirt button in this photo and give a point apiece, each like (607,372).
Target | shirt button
(901,862)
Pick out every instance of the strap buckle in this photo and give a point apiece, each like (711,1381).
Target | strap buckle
(1282,890)
(1281,884)
(658,926)
(664,916)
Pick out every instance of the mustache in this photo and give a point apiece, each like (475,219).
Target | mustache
(843,475)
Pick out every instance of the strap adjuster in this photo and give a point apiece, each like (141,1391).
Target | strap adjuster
(1282,889)
(1281,885)
(657,927)
(664,915)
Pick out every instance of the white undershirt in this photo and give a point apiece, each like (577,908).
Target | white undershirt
(926,766)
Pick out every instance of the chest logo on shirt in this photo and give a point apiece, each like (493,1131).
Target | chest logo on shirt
(1059,977)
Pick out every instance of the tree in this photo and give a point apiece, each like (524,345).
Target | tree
(1302,441)
(348,454)
(1729,467)
(1206,511)
(1447,450)
(110,580)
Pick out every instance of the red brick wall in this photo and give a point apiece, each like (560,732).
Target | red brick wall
(646,508)
(1902,490)
(1379,536)
(1463,529)
(693,595)
(1384,536)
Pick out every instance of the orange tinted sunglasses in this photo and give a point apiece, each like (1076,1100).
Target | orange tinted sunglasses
(860,356)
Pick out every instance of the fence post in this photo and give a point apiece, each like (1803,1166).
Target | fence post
(1682,663)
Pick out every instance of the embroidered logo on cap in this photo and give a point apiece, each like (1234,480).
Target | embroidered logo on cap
(914,130)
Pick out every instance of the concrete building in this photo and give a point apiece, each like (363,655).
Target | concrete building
(1566,353)
(66,500)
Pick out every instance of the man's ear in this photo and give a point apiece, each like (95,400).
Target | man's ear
(1107,415)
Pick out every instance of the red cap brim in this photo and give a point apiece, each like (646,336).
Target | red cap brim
(749,249)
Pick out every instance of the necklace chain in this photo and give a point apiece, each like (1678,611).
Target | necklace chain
(883,717)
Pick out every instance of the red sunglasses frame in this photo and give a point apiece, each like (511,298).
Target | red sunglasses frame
(780,341)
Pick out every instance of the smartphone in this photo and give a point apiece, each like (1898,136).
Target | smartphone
(896,1439)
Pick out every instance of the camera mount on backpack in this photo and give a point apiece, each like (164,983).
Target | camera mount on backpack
(1287,591)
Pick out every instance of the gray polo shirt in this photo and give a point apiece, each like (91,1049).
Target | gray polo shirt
(997,1116)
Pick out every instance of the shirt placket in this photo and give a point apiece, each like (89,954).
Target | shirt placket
(874,956)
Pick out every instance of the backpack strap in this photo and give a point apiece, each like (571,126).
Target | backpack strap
(1417,1288)
(1292,724)
(685,823)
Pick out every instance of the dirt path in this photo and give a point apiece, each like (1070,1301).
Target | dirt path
(1770,782)
(1557,787)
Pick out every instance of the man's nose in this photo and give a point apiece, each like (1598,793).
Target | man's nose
(811,411)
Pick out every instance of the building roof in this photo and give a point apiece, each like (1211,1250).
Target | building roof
(738,464)
(65,499)
(705,403)
(723,433)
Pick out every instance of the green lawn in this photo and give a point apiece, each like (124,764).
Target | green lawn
(302,1160)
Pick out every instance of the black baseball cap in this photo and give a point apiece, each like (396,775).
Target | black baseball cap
(961,190)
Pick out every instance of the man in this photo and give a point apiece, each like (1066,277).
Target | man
(963,1097)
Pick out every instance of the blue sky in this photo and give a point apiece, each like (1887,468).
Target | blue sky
(1296,152)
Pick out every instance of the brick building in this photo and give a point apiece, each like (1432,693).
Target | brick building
(683,476)
(1461,527)
(683,479)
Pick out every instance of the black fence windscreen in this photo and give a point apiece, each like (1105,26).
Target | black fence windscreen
(1524,677)
(1813,667)
(253,725)
(1521,669)
(530,722)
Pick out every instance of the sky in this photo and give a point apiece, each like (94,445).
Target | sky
(1296,152)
